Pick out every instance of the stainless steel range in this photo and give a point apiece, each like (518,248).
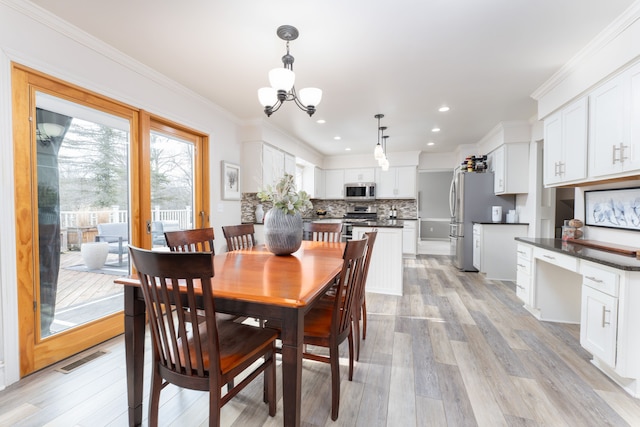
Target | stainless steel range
(357,214)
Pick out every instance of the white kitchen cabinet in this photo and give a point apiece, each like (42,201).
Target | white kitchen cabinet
(385,270)
(524,285)
(318,181)
(359,175)
(510,165)
(398,182)
(565,144)
(262,165)
(290,164)
(495,253)
(334,184)
(409,239)
(614,111)
(599,319)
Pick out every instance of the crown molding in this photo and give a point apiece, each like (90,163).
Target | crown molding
(613,30)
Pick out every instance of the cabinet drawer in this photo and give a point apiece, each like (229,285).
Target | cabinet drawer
(597,278)
(523,266)
(524,252)
(564,261)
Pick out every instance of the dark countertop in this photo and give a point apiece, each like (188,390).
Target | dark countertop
(500,223)
(610,259)
(384,223)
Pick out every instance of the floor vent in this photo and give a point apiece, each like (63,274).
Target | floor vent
(88,358)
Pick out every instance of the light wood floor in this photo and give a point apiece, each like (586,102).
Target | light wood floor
(455,350)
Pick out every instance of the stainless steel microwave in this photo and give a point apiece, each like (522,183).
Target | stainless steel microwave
(360,191)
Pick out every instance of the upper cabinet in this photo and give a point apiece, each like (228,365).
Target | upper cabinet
(359,175)
(614,129)
(264,165)
(334,184)
(397,183)
(565,144)
(318,192)
(510,165)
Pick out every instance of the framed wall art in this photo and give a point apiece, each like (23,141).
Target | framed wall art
(230,181)
(618,208)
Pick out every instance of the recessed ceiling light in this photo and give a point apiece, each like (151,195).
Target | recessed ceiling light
(337,138)
(347,149)
(321,121)
(435,129)
(443,109)
(430,143)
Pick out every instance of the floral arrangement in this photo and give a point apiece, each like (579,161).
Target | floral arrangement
(285,197)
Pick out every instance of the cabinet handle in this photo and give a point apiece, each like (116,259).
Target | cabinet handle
(613,154)
(521,265)
(518,286)
(622,156)
(604,311)
(522,252)
(594,279)
(555,171)
(549,257)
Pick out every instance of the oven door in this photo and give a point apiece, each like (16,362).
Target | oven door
(347,231)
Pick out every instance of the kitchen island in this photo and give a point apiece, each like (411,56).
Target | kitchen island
(564,281)
(385,271)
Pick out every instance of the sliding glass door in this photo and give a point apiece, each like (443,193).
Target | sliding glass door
(92,176)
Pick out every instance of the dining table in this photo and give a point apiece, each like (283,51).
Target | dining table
(257,284)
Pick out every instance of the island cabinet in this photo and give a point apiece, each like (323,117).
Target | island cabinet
(565,144)
(385,270)
(398,182)
(614,126)
(597,289)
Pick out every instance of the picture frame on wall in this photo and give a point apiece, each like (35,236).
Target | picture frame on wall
(619,208)
(230,181)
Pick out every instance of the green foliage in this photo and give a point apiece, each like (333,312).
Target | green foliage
(284,196)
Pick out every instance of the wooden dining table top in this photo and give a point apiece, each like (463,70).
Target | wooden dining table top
(257,275)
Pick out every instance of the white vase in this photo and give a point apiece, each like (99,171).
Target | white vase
(282,232)
(259,213)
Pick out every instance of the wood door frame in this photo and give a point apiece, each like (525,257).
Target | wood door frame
(36,352)
(148,123)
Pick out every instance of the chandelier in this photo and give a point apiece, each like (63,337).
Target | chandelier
(282,80)
(380,152)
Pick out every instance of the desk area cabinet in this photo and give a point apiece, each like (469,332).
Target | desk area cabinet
(599,290)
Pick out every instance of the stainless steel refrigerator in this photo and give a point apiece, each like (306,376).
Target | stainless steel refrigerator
(470,200)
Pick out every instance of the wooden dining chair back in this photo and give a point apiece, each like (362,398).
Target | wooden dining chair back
(196,240)
(239,236)
(361,309)
(191,351)
(323,231)
(330,327)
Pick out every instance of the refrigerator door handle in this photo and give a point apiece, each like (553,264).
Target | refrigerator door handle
(452,197)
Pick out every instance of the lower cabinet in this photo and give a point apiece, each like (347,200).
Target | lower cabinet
(385,270)
(410,239)
(524,288)
(599,324)
(494,250)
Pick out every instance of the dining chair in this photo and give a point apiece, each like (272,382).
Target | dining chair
(196,240)
(190,352)
(239,236)
(361,310)
(323,231)
(329,325)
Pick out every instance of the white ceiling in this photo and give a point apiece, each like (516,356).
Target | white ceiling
(402,58)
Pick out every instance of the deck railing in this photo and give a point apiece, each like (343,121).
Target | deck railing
(77,219)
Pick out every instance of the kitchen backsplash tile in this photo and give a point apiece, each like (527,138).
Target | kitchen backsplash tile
(406,208)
